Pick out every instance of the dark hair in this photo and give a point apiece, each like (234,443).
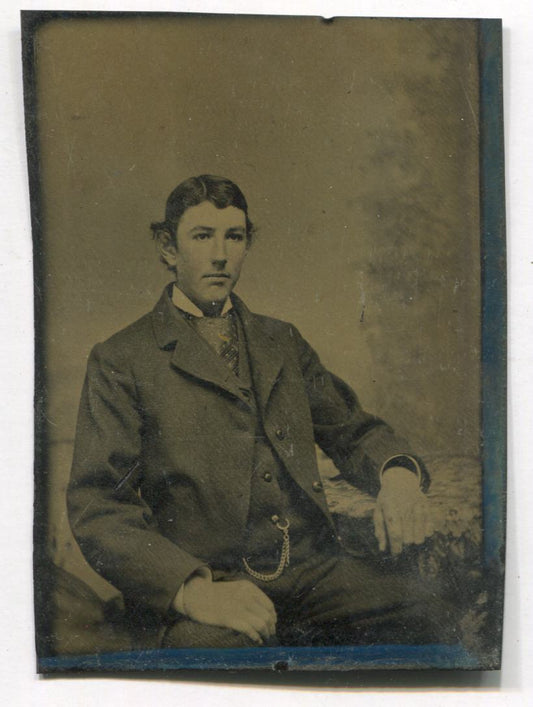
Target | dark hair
(219,191)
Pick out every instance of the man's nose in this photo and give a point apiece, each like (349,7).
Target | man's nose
(218,252)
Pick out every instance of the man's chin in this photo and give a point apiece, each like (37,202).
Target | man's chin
(217,293)
(215,296)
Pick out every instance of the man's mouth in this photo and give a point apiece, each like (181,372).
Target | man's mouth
(218,275)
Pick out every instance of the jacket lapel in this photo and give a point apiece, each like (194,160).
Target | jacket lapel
(191,354)
(266,363)
(266,360)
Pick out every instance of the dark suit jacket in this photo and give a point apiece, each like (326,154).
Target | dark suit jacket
(160,480)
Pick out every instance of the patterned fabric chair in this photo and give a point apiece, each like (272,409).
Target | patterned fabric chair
(451,556)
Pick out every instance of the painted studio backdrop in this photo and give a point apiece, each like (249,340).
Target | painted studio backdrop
(356,145)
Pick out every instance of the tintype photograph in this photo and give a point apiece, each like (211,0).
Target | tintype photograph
(269,259)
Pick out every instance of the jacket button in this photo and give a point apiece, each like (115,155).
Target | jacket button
(267,476)
(316,486)
(280,433)
(275,519)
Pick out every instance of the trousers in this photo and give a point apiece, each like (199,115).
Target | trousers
(336,600)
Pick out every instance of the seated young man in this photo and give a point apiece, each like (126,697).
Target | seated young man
(195,488)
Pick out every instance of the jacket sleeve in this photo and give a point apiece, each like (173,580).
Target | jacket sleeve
(114,527)
(359,443)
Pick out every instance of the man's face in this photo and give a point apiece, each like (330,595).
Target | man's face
(211,247)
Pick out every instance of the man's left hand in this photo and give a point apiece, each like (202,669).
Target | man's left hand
(401,516)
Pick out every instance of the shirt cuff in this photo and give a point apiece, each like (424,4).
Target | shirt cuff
(178,603)
(405,461)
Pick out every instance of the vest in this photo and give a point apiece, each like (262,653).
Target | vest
(275,497)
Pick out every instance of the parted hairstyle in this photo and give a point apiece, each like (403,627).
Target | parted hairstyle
(221,192)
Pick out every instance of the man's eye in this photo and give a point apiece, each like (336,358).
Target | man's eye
(202,236)
(235,236)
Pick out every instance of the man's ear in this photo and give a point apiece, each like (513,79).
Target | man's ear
(166,247)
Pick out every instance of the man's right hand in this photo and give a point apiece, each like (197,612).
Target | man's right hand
(238,605)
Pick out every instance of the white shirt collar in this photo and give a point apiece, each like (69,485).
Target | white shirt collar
(180,300)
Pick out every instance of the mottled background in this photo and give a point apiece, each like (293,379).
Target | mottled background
(356,144)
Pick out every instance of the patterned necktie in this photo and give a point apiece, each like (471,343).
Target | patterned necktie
(221,334)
